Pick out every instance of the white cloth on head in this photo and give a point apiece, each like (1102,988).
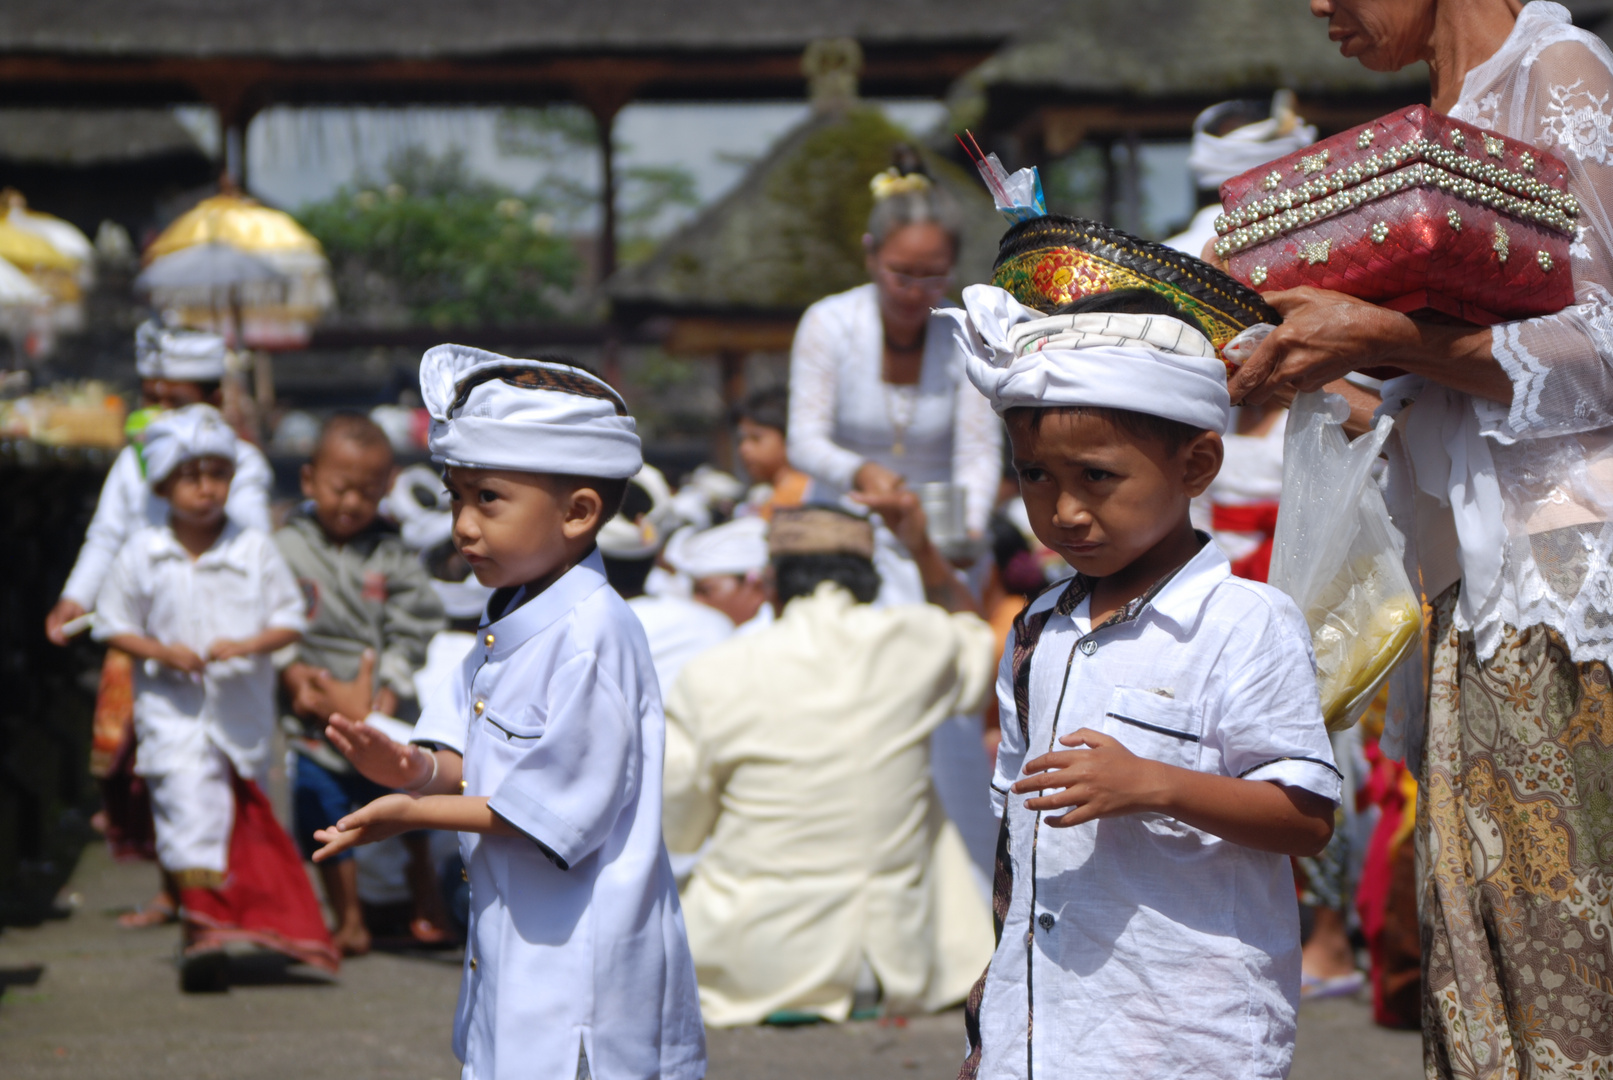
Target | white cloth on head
(737,547)
(1151,364)
(527,429)
(196,431)
(639,538)
(183,355)
(1215,159)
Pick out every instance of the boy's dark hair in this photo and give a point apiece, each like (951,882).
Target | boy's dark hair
(354,427)
(627,576)
(800,575)
(613,493)
(1173,434)
(765,408)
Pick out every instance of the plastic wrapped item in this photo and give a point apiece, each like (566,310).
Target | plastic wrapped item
(1018,195)
(1339,556)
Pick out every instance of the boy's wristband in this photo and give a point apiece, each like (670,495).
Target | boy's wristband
(416,788)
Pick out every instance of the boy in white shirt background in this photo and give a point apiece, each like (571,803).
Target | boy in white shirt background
(548,748)
(200,602)
(1163,749)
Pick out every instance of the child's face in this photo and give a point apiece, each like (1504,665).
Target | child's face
(1100,496)
(761,451)
(346,481)
(198,489)
(516,528)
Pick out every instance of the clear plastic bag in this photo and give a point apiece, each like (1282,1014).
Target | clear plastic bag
(1339,556)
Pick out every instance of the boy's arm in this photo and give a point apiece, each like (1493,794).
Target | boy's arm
(1107,780)
(392,764)
(282,600)
(141,647)
(271,640)
(392,815)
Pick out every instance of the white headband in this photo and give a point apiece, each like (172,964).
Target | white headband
(185,355)
(181,435)
(737,547)
(1151,364)
(495,412)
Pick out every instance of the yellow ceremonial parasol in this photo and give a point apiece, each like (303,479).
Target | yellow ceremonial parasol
(270,318)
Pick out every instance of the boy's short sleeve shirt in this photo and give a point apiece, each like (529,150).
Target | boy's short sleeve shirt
(576,934)
(1177,952)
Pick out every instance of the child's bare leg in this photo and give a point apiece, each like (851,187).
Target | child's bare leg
(430,923)
(158,911)
(1327,954)
(351,936)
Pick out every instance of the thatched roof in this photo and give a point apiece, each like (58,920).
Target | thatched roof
(1209,49)
(791,231)
(79,137)
(338,29)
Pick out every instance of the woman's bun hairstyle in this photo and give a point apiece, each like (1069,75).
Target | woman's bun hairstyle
(906,194)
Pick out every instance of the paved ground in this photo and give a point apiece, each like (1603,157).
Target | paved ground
(107,1006)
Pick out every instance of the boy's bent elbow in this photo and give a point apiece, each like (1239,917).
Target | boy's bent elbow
(1314,827)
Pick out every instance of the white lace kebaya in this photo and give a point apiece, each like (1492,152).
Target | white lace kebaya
(1530,486)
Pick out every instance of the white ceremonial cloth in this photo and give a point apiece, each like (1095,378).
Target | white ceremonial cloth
(179,354)
(1016,356)
(1251,472)
(1215,159)
(679,629)
(1199,232)
(193,814)
(502,426)
(127,503)
(238,588)
(1141,946)
(802,751)
(734,547)
(582,946)
(843,413)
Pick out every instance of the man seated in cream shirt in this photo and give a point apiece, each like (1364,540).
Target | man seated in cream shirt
(798,756)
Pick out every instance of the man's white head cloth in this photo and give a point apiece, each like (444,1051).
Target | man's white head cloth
(738,547)
(1152,364)
(495,412)
(184,355)
(1215,159)
(196,431)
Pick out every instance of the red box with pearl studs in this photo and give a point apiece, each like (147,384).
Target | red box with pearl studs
(1412,211)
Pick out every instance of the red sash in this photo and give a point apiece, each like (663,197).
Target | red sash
(1258,517)
(265,898)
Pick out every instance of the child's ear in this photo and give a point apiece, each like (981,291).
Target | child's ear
(584,513)
(306,475)
(1201,461)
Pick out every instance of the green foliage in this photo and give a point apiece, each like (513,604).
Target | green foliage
(445,247)
(1074,183)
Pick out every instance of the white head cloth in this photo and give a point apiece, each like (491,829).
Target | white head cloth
(1215,159)
(1150,364)
(566,421)
(462,599)
(186,355)
(736,547)
(641,537)
(183,434)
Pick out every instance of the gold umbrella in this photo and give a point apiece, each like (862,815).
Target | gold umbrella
(275,318)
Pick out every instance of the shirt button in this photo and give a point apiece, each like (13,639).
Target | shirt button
(1088,647)
(480,705)
(473,963)
(464,875)
(489,640)
(1046,920)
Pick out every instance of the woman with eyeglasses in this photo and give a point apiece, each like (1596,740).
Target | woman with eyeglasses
(878,396)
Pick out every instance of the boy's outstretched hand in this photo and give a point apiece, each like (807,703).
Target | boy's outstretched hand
(1105,780)
(386,817)
(388,763)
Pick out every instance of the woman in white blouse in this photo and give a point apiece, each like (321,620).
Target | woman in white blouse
(878,397)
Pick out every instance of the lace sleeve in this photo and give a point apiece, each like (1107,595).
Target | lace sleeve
(1561,365)
(814,372)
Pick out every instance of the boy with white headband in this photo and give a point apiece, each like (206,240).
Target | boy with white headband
(546,754)
(200,602)
(1163,748)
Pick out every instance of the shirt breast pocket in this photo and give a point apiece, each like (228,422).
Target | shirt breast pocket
(1154,726)
(519,728)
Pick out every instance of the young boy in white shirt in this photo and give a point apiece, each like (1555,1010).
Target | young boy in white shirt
(1163,751)
(548,750)
(200,603)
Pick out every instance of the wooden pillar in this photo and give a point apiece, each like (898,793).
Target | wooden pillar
(731,369)
(1111,184)
(605,100)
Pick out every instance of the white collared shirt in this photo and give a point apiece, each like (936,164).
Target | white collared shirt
(236,589)
(127,503)
(1138,946)
(559,719)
